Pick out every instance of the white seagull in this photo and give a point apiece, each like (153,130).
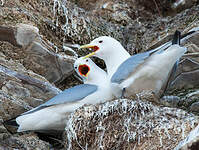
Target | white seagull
(53,114)
(110,50)
(148,71)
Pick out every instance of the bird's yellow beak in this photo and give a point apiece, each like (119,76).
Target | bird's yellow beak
(93,47)
(89,55)
(87,46)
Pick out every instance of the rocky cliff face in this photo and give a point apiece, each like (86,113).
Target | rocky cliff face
(39,42)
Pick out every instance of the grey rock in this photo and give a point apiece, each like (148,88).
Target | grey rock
(193,42)
(191,142)
(7,35)
(187,65)
(158,31)
(22,82)
(26,34)
(193,94)
(178,6)
(36,55)
(55,68)
(20,92)
(3,131)
(16,90)
(195,107)
(11,107)
(80,26)
(170,101)
(2,128)
(24,142)
(187,98)
(186,80)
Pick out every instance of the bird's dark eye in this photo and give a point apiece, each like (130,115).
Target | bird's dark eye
(86,60)
(76,67)
(100,41)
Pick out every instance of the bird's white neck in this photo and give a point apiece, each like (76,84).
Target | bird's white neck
(114,60)
(97,77)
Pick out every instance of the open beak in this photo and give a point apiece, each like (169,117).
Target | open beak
(87,46)
(89,55)
(93,47)
(84,70)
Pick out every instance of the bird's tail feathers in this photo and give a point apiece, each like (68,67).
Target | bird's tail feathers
(176,38)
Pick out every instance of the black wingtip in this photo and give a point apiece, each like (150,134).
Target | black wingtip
(187,34)
(11,125)
(176,38)
(11,122)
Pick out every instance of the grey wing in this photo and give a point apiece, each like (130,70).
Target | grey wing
(128,66)
(73,94)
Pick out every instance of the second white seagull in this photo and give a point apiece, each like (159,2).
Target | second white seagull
(53,114)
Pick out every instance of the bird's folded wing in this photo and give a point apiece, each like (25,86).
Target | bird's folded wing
(70,95)
(129,66)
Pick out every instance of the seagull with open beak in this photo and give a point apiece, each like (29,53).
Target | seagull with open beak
(148,71)
(110,50)
(53,114)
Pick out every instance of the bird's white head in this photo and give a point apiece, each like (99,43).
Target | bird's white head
(89,71)
(108,49)
(103,46)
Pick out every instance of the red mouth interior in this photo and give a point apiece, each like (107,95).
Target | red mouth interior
(95,48)
(83,70)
